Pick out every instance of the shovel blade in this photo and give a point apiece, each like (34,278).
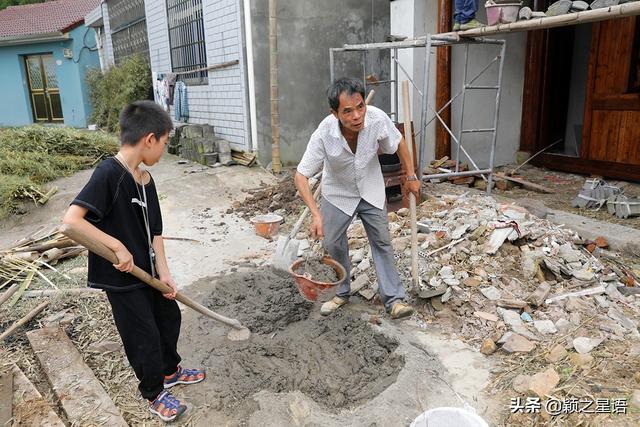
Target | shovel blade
(286,253)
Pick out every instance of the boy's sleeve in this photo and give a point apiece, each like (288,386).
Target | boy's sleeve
(388,135)
(155,215)
(96,196)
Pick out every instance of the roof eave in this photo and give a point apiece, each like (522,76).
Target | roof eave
(34,38)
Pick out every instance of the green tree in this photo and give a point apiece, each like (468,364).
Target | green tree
(6,3)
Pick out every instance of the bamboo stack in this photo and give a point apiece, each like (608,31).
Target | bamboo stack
(19,263)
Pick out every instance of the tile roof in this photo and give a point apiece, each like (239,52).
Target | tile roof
(42,18)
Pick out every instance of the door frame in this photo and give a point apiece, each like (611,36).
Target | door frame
(535,120)
(46,91)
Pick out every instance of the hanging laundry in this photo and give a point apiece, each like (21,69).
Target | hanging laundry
(170,78)
(181,102)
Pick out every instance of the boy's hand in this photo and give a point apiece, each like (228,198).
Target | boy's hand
(170,282)
(126,259)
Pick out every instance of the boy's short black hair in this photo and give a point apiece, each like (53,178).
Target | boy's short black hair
(141,118)
(345,84)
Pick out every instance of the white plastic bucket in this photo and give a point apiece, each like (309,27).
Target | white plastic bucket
(448,417)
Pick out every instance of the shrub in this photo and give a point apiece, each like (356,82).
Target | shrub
(118,86)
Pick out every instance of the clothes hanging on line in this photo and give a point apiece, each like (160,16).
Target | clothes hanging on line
(181,102)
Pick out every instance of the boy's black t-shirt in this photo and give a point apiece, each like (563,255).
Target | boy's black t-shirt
(115,207)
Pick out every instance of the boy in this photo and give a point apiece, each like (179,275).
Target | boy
(119,207)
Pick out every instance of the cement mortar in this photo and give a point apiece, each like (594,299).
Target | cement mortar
(338,361)
(317,270)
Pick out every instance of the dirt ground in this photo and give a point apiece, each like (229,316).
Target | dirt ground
(567,187)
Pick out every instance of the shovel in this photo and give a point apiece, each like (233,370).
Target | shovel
(239,332)
(287,247)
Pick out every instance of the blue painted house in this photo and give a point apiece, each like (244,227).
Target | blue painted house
(45,52)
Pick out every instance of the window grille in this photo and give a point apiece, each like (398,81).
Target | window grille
(128,28)
(186,39)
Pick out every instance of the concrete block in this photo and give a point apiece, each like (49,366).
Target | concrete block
(192,131)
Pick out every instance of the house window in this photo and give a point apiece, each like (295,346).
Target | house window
(186,39)
(128,28)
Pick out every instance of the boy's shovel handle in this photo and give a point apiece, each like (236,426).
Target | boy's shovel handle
(106,253)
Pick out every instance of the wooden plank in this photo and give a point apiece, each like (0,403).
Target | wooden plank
(535,68)
(524,183)
(83,399)
(6,398)
(30,409)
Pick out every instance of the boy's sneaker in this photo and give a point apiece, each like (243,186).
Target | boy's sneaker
(474,23)
(332,305)
(167,407)
(456,26)
(184,376)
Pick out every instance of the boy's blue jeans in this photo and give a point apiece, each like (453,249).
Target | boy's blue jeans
(465,10)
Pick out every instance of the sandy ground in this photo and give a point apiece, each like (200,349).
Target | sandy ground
(290,372)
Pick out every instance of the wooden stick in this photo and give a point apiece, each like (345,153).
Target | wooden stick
(106,253)
(408,137)
(442,248)
(7,294)
(60,244)
(33,313)
(525,184)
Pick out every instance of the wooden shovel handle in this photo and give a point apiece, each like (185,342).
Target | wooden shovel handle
(101,250)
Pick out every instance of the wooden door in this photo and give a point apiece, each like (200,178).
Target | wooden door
(43,88)
(611,130)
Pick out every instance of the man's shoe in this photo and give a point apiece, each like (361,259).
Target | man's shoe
(401,309)
(167,407)
(456,26)
(332,305)
(474,23)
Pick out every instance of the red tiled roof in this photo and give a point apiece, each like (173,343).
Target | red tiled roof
(43,18)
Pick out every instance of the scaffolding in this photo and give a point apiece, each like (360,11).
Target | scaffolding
(428,43)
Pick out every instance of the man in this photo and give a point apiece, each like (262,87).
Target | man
(464,16)
(345,145)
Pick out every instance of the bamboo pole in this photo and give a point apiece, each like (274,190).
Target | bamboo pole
(620,11)
(408,137)
(33,313)
(276,164)
(7,294)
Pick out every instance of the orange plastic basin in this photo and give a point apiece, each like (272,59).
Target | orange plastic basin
(267,226)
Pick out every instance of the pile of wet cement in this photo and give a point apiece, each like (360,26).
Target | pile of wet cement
(339,361)
(317,270)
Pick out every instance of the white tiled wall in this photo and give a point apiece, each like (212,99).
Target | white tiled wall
(223,101)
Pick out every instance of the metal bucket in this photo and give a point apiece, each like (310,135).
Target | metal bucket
(311,289)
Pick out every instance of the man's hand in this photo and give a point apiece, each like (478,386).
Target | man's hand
(316,229)
(168,280)
(414,187)
(125,259)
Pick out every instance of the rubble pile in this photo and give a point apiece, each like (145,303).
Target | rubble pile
(508,279)
(280,199)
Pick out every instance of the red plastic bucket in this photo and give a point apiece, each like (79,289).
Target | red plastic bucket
(311,289)
(267,226)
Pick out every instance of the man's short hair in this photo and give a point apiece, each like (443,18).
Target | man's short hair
(349,85)
(141,118)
